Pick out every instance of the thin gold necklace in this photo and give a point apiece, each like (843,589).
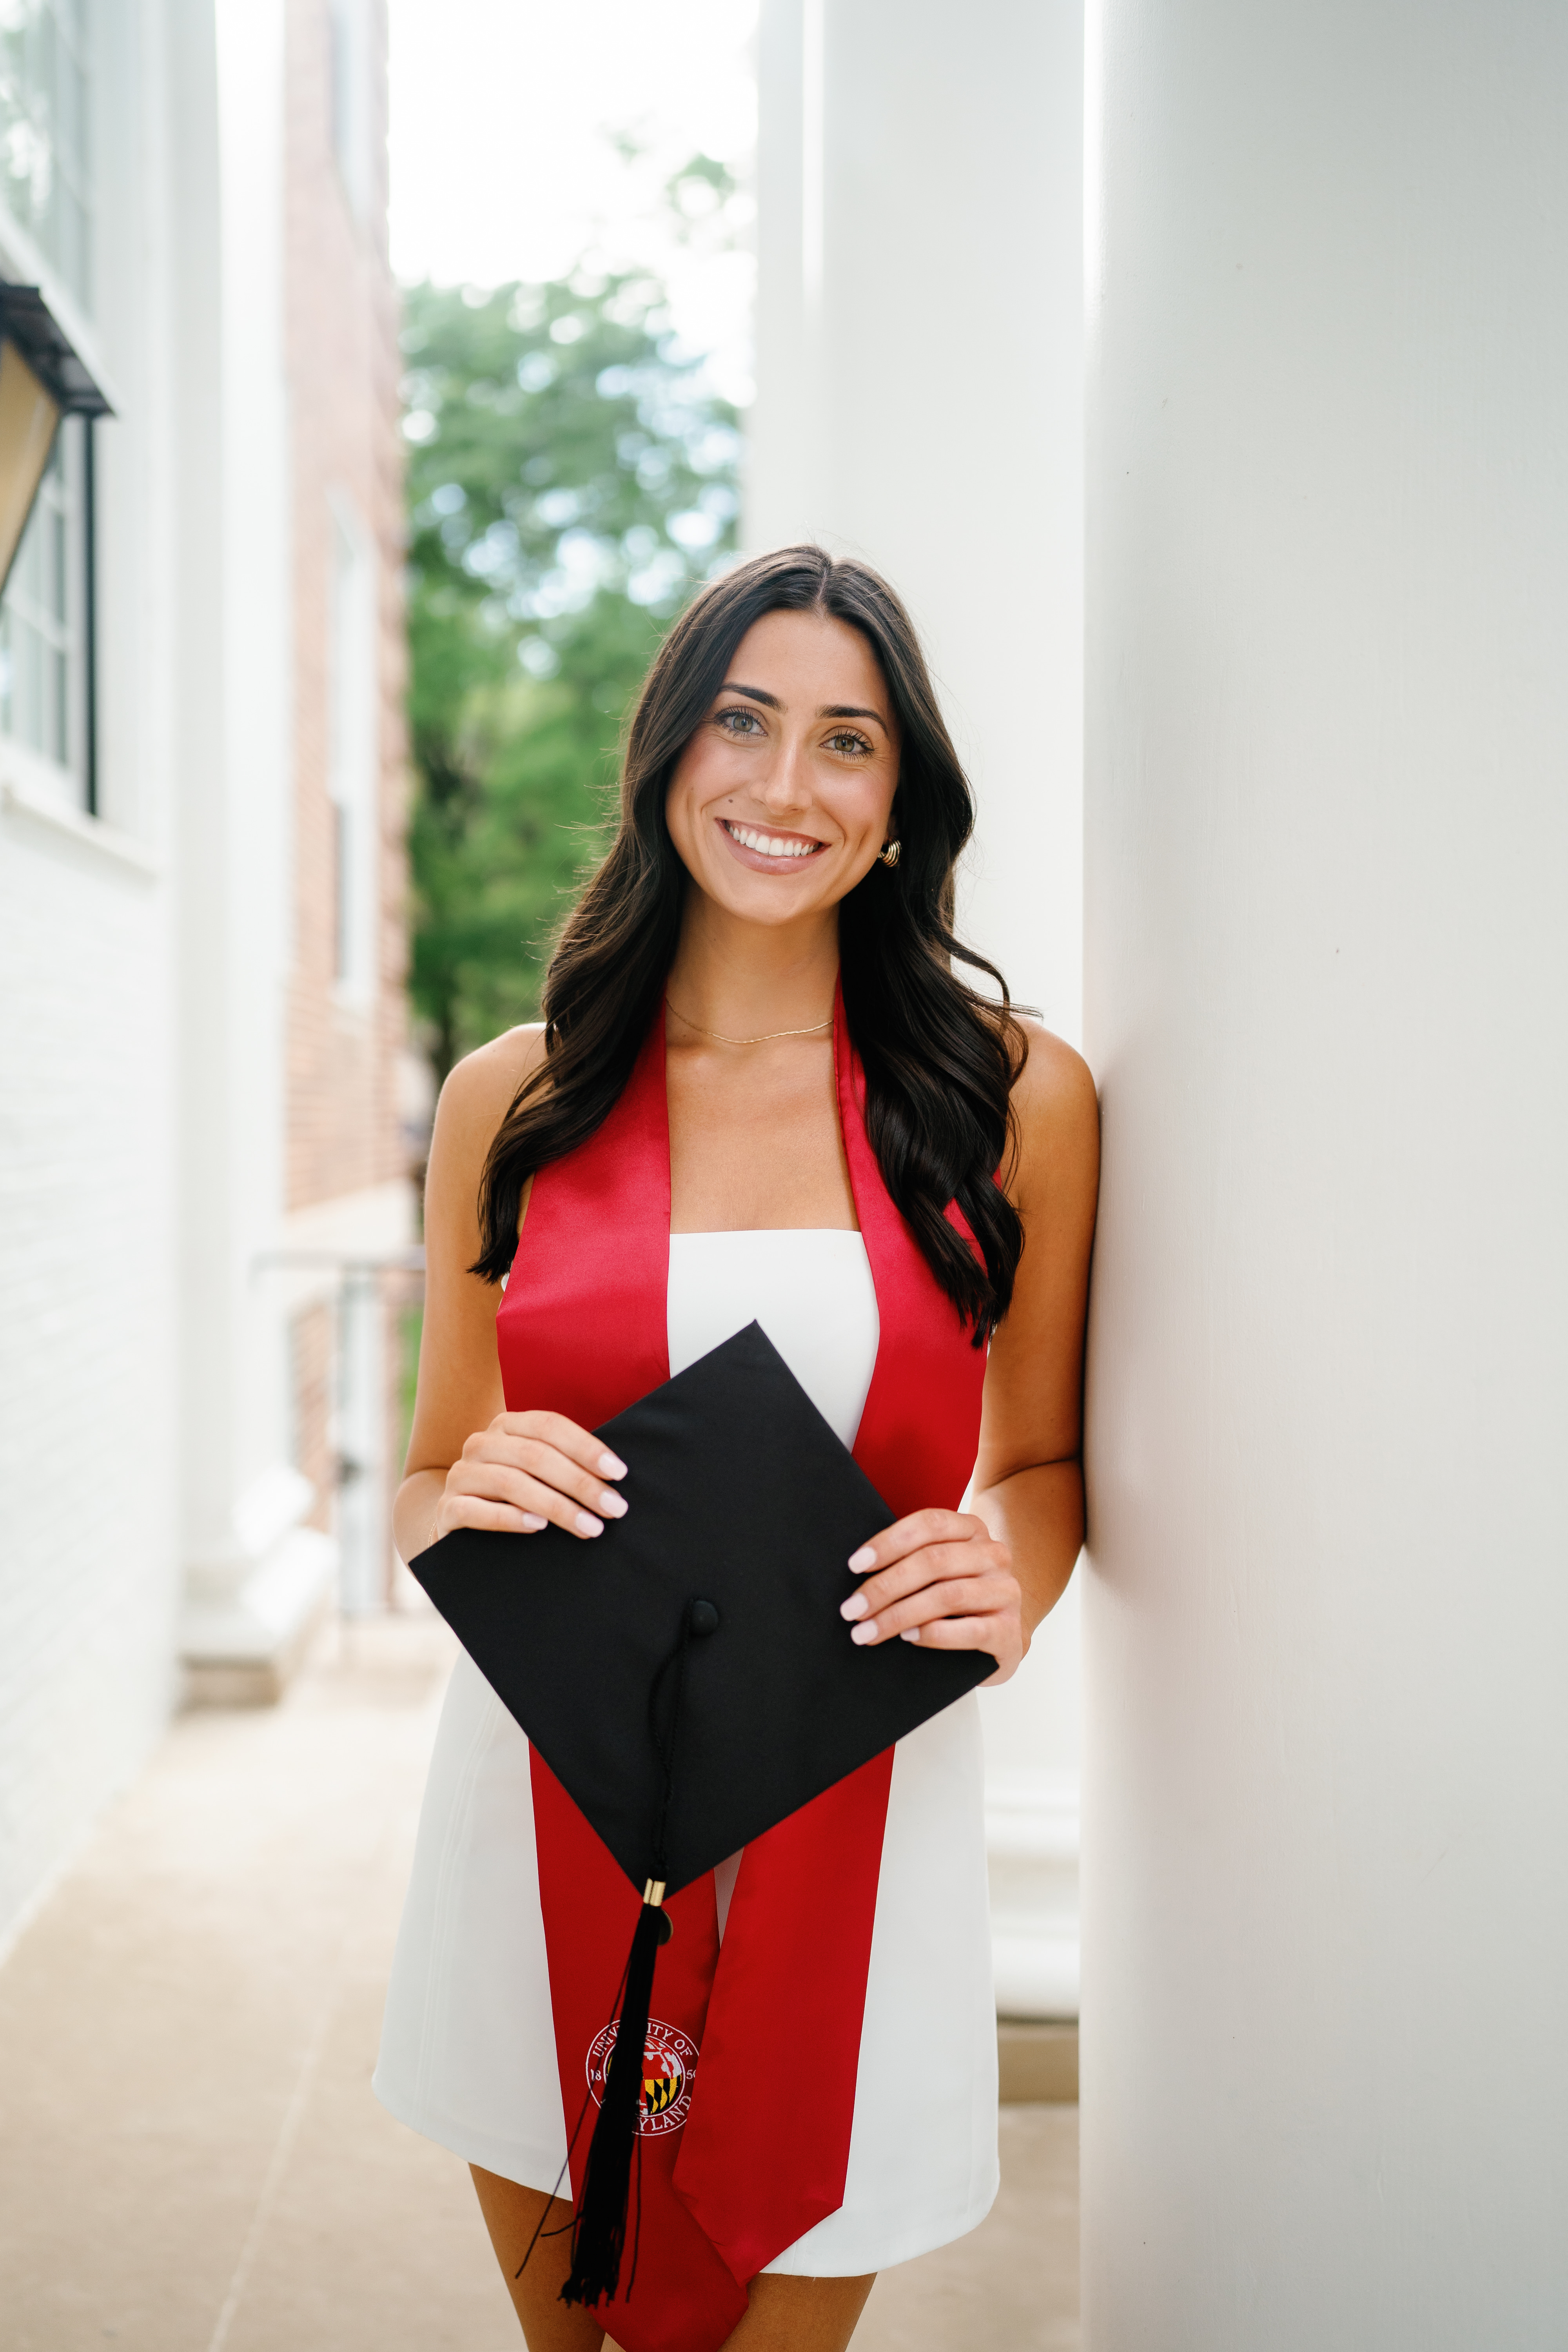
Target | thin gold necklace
(766,1038)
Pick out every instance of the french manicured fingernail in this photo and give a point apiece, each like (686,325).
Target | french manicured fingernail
(911,1634)
(859,1562)
(856,1606)
(611,1467)
(865,1633)
(614,1506)
(531,1523)
(587,1525)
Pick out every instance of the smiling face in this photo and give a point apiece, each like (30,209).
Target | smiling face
(784,796)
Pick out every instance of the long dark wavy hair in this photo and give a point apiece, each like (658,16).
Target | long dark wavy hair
(940,1059)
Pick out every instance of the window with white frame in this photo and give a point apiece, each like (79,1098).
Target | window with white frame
(43,683)
(47,701)
(348,31)
(353,751)
(45,176)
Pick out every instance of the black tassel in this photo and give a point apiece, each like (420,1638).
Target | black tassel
(599,2229)
(599,2232)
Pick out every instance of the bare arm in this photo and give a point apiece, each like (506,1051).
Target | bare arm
(472,1462)
(1029,1478)
(984,1579)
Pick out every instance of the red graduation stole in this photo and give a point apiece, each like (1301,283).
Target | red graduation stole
(753,2048)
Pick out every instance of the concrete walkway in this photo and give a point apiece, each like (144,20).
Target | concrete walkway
(190,2157)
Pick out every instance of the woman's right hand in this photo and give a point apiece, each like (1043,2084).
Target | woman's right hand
(528,1468)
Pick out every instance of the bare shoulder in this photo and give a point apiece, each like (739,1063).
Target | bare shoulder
(479,1090)
(476,1096)
(1058,1114)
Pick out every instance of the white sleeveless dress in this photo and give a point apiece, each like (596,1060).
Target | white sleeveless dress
(467,2047)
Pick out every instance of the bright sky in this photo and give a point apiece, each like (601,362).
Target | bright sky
(504,118)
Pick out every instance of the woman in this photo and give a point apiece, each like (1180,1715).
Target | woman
(754,1038)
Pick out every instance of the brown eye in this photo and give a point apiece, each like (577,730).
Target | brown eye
(848,743)
(728,721)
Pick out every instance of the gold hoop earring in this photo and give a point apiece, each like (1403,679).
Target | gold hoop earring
(889,852)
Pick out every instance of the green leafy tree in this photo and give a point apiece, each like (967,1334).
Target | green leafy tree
(569,481)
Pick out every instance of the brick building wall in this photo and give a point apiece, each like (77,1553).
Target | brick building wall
(346,1030)
(348,1197)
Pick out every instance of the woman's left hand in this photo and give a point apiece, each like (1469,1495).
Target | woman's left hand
(944,1581)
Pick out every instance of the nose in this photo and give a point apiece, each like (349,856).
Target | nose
(787,784)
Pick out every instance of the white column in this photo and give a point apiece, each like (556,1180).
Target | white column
(254,1579)
(919,367)
(920,268)
(1326,1915)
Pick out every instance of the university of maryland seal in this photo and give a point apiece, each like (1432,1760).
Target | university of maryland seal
(669,2061)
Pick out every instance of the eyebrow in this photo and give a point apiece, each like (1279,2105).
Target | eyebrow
(852,710)
(829,711)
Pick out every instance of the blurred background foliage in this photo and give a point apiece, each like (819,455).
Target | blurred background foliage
(571,480)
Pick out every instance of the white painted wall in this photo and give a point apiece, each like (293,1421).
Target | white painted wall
(142,969)
(1326,1916)
(87,1452)
(88,1447)
(920,371)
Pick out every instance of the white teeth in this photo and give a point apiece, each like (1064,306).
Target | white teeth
(767,844)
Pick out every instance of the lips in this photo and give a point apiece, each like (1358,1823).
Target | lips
(778,848)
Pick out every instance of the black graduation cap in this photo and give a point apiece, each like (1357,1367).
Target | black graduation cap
(687,1675)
